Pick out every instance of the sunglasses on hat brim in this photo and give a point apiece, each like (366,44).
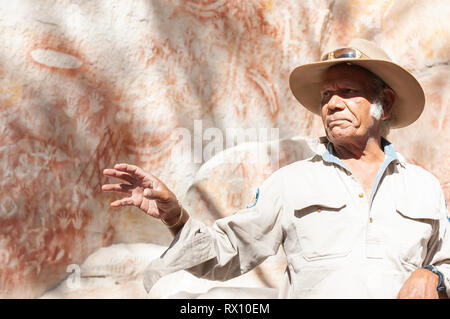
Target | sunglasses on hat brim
(343,53)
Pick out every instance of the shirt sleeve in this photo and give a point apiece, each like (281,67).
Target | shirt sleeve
(439,246)
(231,247)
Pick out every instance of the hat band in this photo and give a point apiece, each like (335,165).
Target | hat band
(343,53)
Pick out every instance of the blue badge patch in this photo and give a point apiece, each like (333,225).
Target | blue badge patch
(254,199)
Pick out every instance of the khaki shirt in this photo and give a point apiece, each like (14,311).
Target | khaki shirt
(338,242)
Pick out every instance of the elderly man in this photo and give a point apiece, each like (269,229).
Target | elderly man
(355,220)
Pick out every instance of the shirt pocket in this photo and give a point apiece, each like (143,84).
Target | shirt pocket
(323,229)
(412,227)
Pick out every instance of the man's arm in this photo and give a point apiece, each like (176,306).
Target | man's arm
(423,283)
(439,248)
(233,246)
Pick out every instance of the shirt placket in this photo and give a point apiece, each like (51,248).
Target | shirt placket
(356,192)
(351,183)
(374,237)
(362,206)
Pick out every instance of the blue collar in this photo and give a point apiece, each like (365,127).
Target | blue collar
(389,151)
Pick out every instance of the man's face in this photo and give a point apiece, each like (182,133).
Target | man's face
(347,94)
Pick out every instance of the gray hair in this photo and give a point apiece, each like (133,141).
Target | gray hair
(376,108)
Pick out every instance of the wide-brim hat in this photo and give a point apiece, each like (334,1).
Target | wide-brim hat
(305,81)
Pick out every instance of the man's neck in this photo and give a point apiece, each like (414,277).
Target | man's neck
(365,151)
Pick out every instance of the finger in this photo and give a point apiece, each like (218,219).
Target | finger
(122,202)
(122,175)
(133,170)
(122,188)
(156,194)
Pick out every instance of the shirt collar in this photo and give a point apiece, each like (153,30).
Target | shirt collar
(328,155)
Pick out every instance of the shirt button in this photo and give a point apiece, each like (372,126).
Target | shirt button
(361,195)
(370,219)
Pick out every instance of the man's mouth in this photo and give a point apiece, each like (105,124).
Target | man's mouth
(335,122)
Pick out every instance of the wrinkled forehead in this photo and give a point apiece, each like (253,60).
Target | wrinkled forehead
(347,74)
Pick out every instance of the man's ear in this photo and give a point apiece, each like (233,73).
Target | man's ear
(388,102)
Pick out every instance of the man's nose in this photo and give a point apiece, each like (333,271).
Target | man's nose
(336,103)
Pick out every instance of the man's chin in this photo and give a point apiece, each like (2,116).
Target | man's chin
(337,133)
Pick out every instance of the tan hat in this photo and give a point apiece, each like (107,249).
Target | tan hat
(306,80)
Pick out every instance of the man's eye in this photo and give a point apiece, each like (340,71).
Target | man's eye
(325,94)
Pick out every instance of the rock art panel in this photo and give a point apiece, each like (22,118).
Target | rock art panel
(84,85)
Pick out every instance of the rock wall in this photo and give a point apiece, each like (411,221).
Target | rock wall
(86,84)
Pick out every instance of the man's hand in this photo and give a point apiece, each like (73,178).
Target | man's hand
(146,192)
(421,284)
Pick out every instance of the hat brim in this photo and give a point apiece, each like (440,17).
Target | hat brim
(305,82)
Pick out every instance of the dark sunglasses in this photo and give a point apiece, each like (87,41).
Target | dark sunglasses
(343,53)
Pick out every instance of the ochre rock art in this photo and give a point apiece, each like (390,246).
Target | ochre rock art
(88,84)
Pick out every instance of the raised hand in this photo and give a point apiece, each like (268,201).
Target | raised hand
(145,191)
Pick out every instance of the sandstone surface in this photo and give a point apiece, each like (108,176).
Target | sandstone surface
(86,84)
